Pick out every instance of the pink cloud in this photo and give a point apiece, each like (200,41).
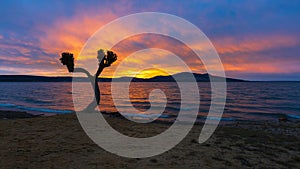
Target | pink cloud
(228,45)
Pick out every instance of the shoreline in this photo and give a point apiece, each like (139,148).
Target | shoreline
(16,114)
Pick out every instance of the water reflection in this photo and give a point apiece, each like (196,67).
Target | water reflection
(245,101)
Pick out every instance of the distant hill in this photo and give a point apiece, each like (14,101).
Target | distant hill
(28,78)
(180,77)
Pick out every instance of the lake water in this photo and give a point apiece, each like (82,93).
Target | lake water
(245,100)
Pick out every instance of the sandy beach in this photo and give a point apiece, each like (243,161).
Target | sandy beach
(60,142)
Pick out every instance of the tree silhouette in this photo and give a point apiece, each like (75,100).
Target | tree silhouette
(68,59)
(105,60)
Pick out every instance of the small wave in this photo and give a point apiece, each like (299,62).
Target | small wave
(179,108)
(35,109)
(46,110)
(276,115)
(6,105)
(33,100)
(220,118)
(146,115)
(293,116)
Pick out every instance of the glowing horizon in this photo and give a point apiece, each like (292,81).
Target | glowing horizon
(251,47)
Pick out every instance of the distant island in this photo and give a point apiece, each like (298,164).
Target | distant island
(181,76)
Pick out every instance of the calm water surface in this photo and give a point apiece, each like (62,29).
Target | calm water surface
(245,100)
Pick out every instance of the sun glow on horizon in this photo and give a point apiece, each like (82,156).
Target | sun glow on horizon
(250,46)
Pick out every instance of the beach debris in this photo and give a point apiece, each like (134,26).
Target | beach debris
(282,119)
(153,160)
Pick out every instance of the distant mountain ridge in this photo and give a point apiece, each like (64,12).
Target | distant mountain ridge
(179,76)
(29,78)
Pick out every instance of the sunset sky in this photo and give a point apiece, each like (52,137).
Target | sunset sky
(256,40)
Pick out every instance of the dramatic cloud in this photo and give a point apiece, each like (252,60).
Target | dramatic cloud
(256,40)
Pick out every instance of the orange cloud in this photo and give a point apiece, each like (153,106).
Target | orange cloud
(156,59)
(70,34)
(275,66)
(229,45)
(248,55)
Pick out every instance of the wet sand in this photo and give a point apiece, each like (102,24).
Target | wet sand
(60,142)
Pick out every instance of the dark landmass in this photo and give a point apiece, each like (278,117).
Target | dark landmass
(15,115)
(182,77)
(29,78)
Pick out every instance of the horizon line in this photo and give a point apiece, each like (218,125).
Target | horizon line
(245,80)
